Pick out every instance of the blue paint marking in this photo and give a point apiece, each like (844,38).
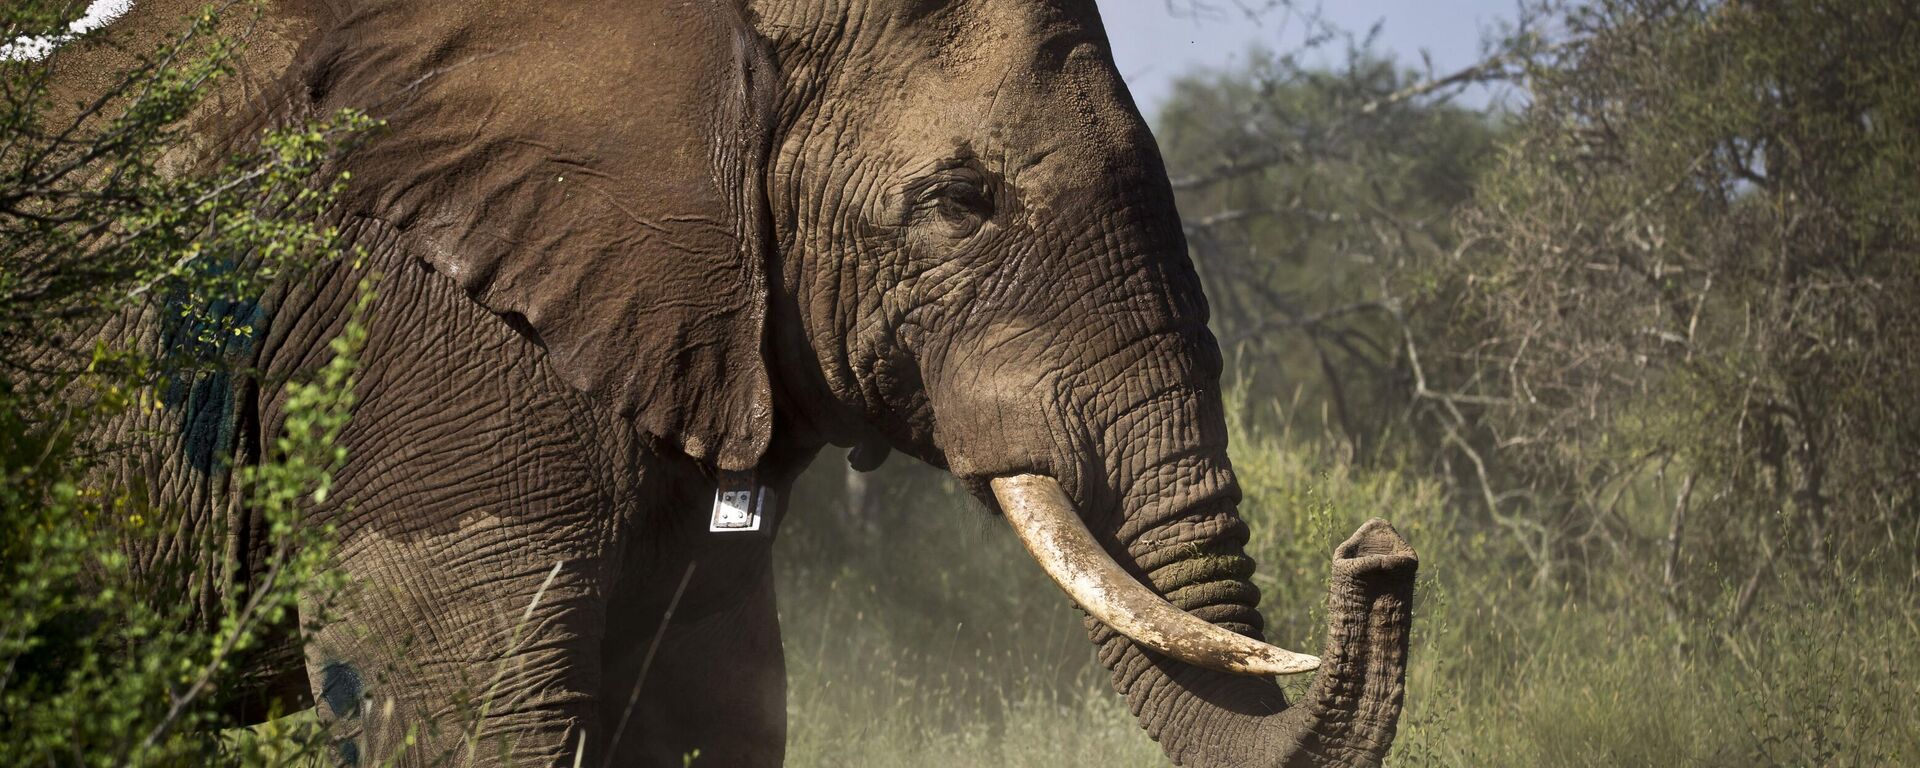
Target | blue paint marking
(340,688)
(340,691)
(200,388)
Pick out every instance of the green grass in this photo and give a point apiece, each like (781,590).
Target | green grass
(936,643)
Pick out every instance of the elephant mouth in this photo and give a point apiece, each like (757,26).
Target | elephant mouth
(1052,531)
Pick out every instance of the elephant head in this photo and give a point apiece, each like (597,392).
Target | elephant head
(980,263)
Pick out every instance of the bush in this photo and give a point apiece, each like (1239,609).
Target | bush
(1695,261)
(131,273)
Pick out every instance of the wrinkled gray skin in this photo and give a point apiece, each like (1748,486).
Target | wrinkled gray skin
(627,244)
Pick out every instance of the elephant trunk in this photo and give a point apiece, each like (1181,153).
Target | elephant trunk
(1053,532)
(1186,654)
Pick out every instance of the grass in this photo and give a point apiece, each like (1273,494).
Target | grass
(936,643)
(978,661)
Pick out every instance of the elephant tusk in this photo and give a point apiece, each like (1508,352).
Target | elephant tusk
(1053,532)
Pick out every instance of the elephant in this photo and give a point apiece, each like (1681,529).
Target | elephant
(637,253)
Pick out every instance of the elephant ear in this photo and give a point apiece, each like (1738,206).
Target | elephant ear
(591,172)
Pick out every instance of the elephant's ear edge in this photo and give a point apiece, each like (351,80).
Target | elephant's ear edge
(750,434)
(610,206)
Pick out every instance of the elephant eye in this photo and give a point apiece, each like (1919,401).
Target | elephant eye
(958,206)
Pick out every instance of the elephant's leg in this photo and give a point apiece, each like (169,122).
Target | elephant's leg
(717,681)
(459,651)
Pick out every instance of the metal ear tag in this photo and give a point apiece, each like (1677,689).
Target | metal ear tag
(740,504)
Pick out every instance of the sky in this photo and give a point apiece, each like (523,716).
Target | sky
(1152,46)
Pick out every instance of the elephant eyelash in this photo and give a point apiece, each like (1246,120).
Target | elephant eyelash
(961,197)
(960,204)
(930,192)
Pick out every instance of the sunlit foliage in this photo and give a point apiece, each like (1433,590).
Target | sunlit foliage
(130,257)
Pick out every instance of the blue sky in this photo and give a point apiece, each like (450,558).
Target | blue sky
(1153,46)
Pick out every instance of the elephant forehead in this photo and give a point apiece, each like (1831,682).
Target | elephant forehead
(1016,82)
(35,47)
(985,50)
